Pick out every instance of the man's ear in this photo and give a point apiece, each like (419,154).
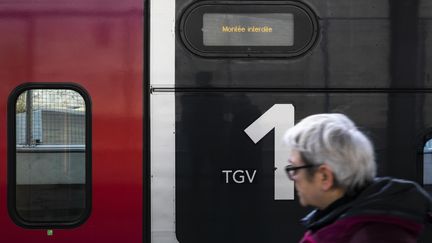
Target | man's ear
(326,177)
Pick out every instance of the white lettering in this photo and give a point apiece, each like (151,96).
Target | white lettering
(250,178)
(240,176)
(227,175)
(279,117)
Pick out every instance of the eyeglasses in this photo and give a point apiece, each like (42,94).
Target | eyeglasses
(292,170)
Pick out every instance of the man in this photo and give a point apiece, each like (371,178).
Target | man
(333,166)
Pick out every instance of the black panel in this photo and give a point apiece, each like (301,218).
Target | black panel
(367,44)
(210,138)
(370,62)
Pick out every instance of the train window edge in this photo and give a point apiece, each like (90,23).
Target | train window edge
(75,176)
(426,162)
(191,32)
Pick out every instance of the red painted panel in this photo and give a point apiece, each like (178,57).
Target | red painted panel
(98,45)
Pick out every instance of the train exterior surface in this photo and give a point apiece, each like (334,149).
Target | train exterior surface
(162,120)
(71,140)
(231,76)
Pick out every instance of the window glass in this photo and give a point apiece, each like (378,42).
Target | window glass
(265,29)
(50,156)
(427,166)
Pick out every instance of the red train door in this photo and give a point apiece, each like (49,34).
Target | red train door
(71,124)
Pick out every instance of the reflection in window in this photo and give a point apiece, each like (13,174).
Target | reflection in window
(427,166)
(50,158)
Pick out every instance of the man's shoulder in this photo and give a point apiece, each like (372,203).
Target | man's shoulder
(367,228)
(382,232)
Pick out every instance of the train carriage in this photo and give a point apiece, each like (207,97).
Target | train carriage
(162,121)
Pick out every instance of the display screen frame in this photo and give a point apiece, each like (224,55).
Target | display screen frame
(305,28)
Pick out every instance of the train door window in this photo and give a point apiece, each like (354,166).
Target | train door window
(49,156)
(427,166)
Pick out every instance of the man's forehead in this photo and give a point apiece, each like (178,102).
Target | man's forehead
(295,159)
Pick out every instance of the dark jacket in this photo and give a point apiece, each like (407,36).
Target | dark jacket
(387,210)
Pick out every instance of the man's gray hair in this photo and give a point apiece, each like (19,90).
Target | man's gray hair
(334,139)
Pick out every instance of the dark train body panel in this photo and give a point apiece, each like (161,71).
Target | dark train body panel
(211,205)
(369,61)
(372,45)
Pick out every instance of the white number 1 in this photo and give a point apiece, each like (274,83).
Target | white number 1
(280,117)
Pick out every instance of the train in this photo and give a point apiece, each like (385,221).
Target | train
(161,121)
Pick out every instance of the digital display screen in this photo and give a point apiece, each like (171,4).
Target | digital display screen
(257,29)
